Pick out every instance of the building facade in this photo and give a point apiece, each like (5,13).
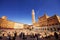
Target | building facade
(49,23)
(46,22)
(4,23)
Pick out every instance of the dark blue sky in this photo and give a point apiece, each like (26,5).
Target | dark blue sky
(20,10)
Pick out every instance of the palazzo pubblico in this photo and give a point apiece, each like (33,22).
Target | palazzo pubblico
(44,22)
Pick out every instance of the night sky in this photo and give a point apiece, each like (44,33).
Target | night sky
(20,10)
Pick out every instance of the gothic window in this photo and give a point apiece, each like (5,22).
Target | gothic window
(54,29)
(53,24)
(51,29)
(49,25)
(58,29)
(43,28)
(47,28)
(56,23)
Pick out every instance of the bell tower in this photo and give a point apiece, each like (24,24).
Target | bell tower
(33,16)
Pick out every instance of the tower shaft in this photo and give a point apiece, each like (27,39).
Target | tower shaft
(33,17)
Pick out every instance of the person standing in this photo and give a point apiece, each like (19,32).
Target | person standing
(56,35)
(15,35)
(9,36)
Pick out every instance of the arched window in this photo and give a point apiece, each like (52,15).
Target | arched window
(58,29)
(53,24)
(51,29)
(48,29)
(54,29)
(45,28)
(56,23)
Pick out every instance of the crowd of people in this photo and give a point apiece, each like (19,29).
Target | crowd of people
(24,37)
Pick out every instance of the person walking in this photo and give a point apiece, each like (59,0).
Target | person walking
(15,35)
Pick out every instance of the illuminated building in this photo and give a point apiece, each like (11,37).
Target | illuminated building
(46,22)
(49,23)
(33,17)
(4,23)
